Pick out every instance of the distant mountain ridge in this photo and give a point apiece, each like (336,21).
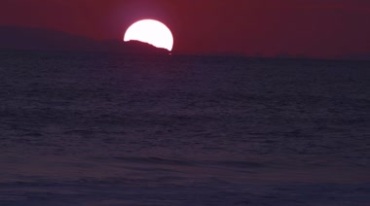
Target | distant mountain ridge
(20,38)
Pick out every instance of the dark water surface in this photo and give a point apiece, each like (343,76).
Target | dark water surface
(102,129)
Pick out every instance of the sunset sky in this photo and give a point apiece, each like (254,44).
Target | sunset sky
(309,28)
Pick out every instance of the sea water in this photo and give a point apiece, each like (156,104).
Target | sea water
(108,129)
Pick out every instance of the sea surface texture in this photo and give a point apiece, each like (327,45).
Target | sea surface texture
(108,130)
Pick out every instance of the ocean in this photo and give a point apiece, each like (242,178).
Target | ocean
(100,129)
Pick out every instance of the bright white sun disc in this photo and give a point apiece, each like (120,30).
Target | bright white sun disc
(152,32)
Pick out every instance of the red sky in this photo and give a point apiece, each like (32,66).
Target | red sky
(313,28)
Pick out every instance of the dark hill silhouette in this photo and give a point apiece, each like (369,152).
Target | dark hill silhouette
(19,38)
(42,39)
(138,47)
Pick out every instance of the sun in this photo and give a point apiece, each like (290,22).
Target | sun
(152,32)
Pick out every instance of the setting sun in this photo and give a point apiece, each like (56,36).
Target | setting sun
(152,32)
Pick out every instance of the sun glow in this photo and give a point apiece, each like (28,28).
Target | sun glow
(152,32)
